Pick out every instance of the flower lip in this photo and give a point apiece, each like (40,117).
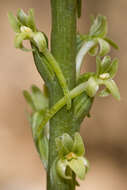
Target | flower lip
(71,156)
(25,29)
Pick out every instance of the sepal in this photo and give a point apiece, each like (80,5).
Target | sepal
(104,93)
(99,27)
(78,145)
(112,87)
(14,22)
(61,169)
(64,144)
(27,20)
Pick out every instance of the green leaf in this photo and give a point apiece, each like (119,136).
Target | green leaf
(77,166)
(104,47)
(78,145)
(22,17)
(41,102)
(29,99)
(36,121)
(113,68)
(113,44)
(61,169)
(105,64)
(104,93)
(99,27)
(14,22)
(92,87)
(64,144)
(43,146)
(112,87)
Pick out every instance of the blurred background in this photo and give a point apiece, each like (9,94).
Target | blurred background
(105,133)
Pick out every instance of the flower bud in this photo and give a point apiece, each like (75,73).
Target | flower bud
(92,87)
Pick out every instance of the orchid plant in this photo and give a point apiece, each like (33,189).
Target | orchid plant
(69,162)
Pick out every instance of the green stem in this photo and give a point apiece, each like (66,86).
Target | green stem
(63,47)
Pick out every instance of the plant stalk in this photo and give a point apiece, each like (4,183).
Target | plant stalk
(63,48)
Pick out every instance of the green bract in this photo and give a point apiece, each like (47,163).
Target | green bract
(71,155)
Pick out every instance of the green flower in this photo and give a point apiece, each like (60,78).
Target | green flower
(105,72)
(25,28)
(94,43)
(71,156)
(97,34)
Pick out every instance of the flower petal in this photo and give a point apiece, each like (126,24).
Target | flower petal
(78,146)
(78,167)
(104,47)
(112,87)
(61,169)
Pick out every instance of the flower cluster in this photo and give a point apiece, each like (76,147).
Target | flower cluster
(105,72)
